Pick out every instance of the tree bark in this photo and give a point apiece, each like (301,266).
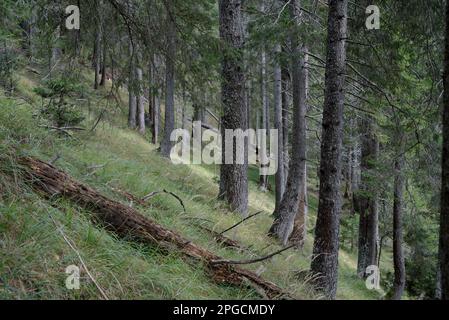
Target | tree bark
(444,215)
(248,99)
(325,249)
(285,118)
(263,179)
(157,117)
(398,254)
(150,95)
(288,208)
(279,178)
(132,112)
(103,62)
(97,45)
(300,225)
(132,99)
(153,109)
(233,177)
(169,125)
(367,198)
(140,102)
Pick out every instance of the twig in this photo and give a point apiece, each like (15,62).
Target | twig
(154,193)
(94,168)
(197,218)
(63,128)
(98,120)
(51,70)
(241,221)
(54,159)
(72,246)
(224,240)
(282,10)
(252,260)
(58,129)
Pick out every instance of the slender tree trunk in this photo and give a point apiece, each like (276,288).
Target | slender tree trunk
(299,232)
(233,177)
(183,110)
(325,249)
(398,254)
(248,102)
(288,208)
(78,36)
(263,179)
(438,283)
(103,63)
(97,44)
(150,95)
(55,51)
(140,102)
(166,144)
(300,225)
(285,117)
(353,165)
(153,113)
(444,215)
(368,207)
(156,117)
(132,113)
(132,100)
(279,178)
(198,109)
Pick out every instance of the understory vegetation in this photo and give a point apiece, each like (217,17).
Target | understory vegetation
(345,103)
(34,254)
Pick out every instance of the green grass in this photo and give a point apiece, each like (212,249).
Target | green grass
(34,255)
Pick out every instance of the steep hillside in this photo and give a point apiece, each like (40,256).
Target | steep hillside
(34,253)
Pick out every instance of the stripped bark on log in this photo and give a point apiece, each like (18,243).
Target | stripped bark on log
(129,223)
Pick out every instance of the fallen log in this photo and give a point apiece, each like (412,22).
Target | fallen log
(218,237)
(129,223)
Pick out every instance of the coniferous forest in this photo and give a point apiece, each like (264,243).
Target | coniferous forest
(224,149)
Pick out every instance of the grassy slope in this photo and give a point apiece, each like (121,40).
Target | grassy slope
(34,255)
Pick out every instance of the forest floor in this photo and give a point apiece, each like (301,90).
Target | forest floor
(34,255)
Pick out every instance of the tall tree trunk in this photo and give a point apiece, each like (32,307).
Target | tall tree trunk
(150,95)
(285,117)
(279,178)
(103,62)
(263,179)
(152,109)
(325,249)
(169,125)
(97,44)
(140,102)
(438,283)
(56,52)
(368,207)
(398,254)
(183,110)
(156,117)
(283,224)
(233,177)
(78,35)
(444,215)
(248,102)
(132,112)
(300,225)
(132,102)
